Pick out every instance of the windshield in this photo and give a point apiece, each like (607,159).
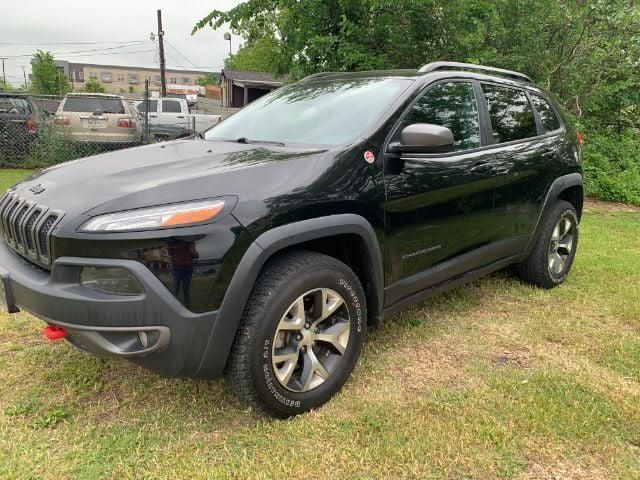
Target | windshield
(319,113)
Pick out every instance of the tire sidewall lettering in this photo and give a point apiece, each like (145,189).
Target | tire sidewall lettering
(271,383)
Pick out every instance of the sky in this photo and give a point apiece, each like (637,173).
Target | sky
(120,22)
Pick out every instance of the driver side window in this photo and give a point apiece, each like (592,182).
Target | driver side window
(451,105)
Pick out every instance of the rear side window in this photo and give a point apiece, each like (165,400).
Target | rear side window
(171,106)
(511,114)
(548,116)
(93,104)
(451,105)
(153,106)
(14,106)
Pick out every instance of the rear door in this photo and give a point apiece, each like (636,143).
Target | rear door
(524,161)
(171,113)
(439,214)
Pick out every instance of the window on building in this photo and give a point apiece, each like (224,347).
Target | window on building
(133,78)
(80,74)
(548,116)
(157,80)
(451,105)
(511,114)
(171,106)
(106,77)
(173,80)
(186,80)
(93,75)
(121,77)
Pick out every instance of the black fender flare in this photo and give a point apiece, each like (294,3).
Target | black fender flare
(557,187)
(264,247)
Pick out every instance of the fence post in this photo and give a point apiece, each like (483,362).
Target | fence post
(146,110)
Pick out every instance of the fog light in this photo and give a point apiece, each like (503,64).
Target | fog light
(110,280)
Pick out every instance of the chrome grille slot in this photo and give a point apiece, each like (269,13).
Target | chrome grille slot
(26,227)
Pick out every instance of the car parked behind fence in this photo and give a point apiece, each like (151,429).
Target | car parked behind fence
(20,121)
(99,118)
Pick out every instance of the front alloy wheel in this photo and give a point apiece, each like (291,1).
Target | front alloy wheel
(301,334)
(310,340)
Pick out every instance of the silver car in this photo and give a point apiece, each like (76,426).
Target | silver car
(99,118)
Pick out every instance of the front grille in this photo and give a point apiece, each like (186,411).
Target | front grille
(26,227)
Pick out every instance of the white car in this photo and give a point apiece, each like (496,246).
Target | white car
(173,114)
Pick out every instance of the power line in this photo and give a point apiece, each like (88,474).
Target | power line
(179,53)
(84,51)
(68,43)
(112,53)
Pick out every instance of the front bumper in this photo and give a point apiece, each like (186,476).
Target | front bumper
(152,329)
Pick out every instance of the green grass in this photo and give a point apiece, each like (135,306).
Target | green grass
(492,380)
(9,176)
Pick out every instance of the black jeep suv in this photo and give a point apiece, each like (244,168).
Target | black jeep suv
(263,249)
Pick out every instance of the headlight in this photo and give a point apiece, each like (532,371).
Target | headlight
(175,215)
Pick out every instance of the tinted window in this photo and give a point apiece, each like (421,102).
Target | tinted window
(548,116)
(322,112)
(511,114)
(93,104)
(451,105)
(171,106)
(153,106)
(15,106)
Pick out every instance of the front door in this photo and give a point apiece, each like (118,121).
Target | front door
(439,212)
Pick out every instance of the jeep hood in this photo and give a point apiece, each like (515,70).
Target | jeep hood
(170,172)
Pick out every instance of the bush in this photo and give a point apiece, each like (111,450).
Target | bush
(612,167)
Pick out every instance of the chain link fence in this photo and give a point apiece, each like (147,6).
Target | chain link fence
(38,131)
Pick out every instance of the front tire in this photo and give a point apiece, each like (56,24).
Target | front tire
(300,336)
(550,261)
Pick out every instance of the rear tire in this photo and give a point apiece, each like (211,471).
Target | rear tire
(550,261)
(300,336)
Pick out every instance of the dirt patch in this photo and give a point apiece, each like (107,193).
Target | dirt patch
(431,365)
(566,469)
(598,206)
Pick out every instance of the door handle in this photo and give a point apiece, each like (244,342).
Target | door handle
(481,167)
(153,116)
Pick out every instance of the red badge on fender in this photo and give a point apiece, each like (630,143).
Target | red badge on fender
(369,157)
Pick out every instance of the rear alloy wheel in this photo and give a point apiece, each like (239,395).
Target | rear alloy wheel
(301,334)
(552,256)
(560,246)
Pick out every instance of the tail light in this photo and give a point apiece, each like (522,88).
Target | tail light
(126,123)
(580,138)
(62,120)
(32,126)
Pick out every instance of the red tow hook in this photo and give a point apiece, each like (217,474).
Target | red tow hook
(54,332)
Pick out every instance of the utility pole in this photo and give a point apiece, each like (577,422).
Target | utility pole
(4,75)
(163,81)
(26,84)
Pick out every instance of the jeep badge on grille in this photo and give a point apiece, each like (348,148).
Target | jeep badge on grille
(36,189)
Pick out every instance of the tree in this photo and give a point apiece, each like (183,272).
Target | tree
(47,79)
(93,85)
(587,52)
(209,79)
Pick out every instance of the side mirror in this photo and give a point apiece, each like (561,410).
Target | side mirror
(426,138)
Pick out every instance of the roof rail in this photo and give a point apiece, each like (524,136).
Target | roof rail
(435,66)
(315,76)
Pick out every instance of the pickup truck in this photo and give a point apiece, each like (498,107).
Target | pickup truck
(170,118)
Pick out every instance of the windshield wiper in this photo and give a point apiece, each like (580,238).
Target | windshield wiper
(262,142)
